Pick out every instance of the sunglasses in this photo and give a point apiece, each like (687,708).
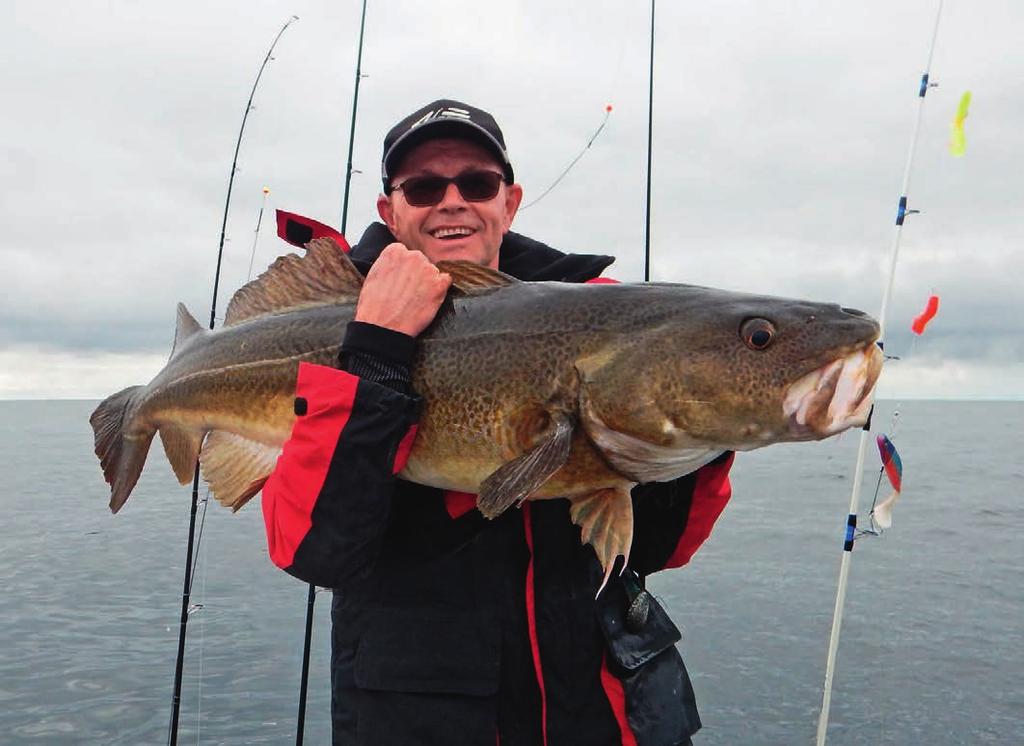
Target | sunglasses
(474,186)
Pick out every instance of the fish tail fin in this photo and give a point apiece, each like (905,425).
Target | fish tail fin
(122,455)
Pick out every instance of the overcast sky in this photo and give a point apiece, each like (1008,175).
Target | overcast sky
(780,135)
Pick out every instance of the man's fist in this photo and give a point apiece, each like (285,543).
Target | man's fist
(402,291)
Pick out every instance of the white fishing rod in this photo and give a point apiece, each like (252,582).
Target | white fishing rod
(851,521)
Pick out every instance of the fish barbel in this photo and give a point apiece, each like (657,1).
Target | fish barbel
(530,390)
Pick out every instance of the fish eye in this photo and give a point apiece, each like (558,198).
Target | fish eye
(757,334)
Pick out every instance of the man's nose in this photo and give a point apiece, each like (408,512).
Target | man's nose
(452,199)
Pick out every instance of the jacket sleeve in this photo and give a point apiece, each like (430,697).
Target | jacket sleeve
(327,503)
(672,519)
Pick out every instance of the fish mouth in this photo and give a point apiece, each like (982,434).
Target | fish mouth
(835,397)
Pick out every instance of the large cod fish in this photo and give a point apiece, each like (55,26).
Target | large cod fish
(531,390)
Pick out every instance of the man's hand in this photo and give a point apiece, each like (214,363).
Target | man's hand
(402,291)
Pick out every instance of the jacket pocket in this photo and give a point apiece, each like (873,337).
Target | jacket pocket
(429,651)
(631,649)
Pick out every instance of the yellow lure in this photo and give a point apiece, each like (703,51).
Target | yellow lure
(958,140)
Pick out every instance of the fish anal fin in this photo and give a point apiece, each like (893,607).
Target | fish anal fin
(522,476)
(235,467)
(605,518)
(323,276)
(471,278)
(182,449)
(187,328)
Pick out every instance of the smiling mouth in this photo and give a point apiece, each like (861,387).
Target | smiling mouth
(451,233)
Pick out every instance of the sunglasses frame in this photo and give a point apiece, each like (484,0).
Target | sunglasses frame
(500,178)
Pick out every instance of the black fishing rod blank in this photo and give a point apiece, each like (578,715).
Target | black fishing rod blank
(650,138)
(186,591)
(352,128)
(311,593)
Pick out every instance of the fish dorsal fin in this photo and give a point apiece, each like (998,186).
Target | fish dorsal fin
(472,278)
(187,327)
(324,276)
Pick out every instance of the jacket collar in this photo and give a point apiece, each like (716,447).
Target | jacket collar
(519,256)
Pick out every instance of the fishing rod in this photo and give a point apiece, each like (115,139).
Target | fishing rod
(256,233)
(851,522)
(186,591)
(311,592)
(650,133)
(352,128)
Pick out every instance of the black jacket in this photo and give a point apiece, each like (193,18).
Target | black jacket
(452,629)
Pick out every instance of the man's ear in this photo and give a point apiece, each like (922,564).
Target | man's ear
(513,198)
(386,212)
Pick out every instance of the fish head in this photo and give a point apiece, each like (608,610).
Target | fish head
(756,370)
(722,370)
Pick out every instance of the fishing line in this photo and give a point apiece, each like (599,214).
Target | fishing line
(573,162)
(851,520)
(202,626)
(199,542)
(614,87)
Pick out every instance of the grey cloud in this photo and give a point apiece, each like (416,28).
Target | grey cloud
(780,137)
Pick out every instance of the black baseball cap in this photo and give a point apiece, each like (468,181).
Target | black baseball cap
(444,118)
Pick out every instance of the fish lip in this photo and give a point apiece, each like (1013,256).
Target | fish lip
(835,396)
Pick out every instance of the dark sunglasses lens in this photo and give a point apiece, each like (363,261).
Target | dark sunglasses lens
(423,191)
(479,186)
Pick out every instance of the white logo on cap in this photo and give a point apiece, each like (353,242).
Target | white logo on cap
(449,111)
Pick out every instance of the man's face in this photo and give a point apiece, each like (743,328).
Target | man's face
(454,228)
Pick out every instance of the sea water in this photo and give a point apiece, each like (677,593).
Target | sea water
(932,647)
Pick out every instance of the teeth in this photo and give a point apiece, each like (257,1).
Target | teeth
(835,396)
(449,232)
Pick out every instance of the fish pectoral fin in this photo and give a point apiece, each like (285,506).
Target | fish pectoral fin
(182,449)
(471,278)
(605,518)
(524,475)
(235,467)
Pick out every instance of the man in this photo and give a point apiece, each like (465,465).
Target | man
(449,628)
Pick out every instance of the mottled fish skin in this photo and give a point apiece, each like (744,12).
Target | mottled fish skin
(664,363)
(531,390)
